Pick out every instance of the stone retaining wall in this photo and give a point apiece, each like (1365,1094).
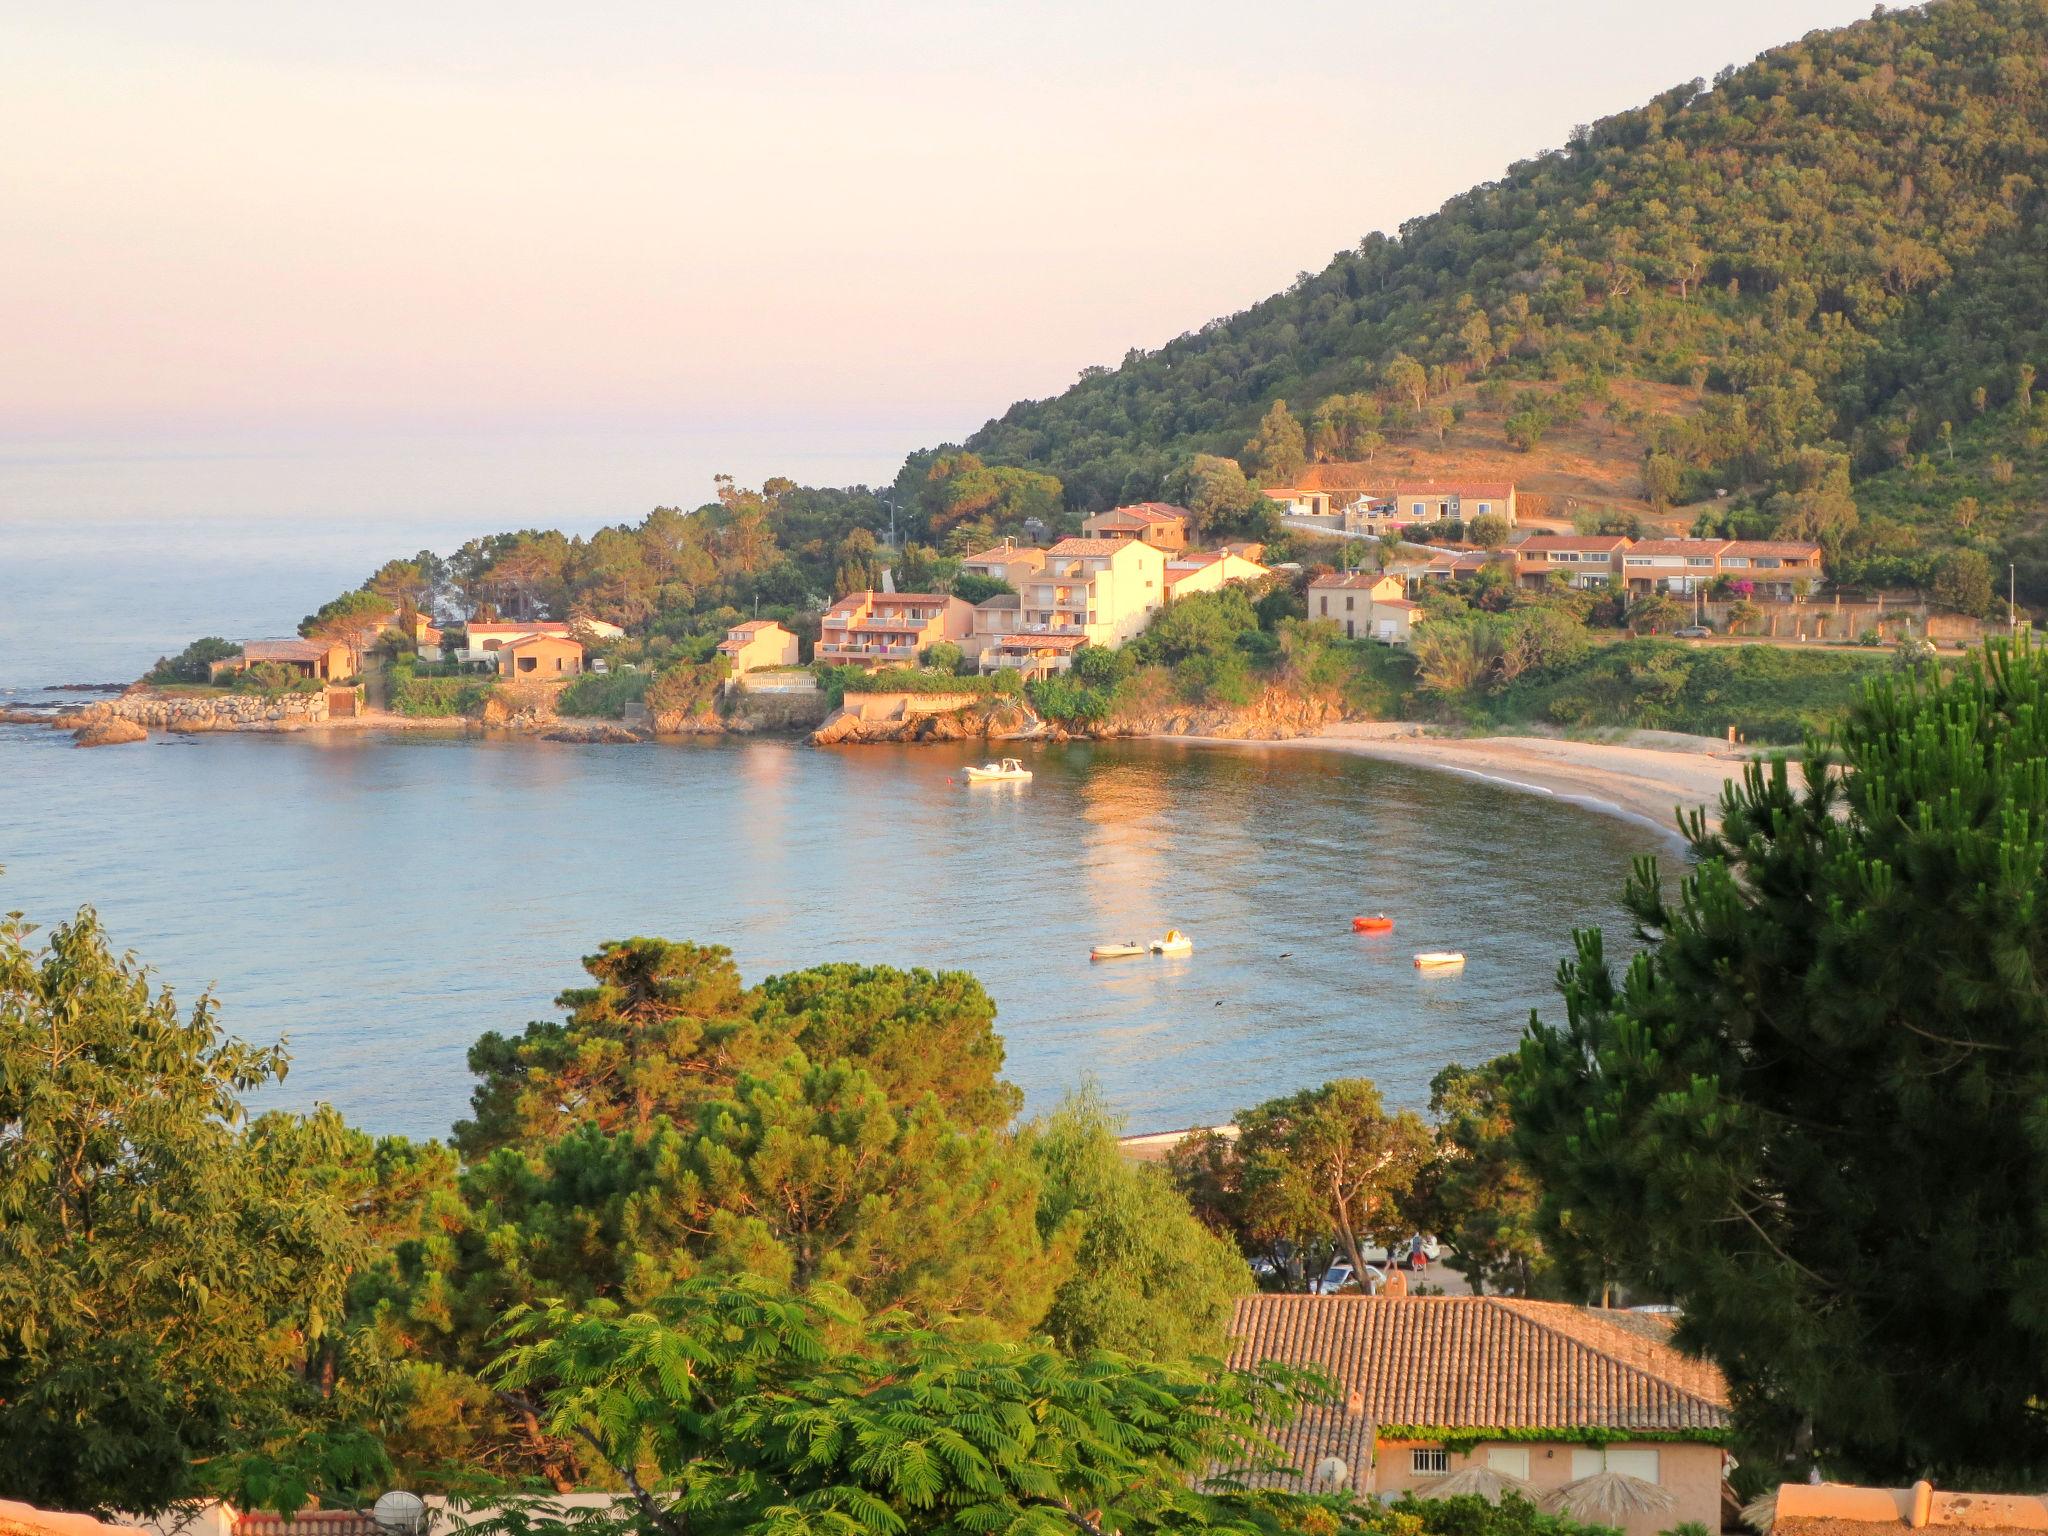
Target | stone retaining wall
(213,712)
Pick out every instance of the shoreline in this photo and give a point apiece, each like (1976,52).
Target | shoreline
(1643,779)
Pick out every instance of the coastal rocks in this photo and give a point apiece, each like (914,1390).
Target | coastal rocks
(1274,717)
(205,712)
(1002,720)
(601,734)
(108,733)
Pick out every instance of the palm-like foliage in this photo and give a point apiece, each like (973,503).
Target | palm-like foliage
(726,1407)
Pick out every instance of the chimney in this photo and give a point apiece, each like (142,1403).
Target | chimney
(1923,1505)
(1354,1404)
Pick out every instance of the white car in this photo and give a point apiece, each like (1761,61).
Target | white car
(1338,1276)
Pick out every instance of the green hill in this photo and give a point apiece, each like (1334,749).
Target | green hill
(1816,284)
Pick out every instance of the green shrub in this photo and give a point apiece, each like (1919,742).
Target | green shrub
(433,698)
(194,664)
(602,695)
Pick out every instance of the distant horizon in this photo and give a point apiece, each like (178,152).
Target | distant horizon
(487,262)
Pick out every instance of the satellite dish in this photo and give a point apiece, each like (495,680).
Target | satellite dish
(400,1513)
(1331,1472)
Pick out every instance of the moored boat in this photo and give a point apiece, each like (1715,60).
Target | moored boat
(1115,951)
(1379,922)
(1008,769)
(1439,960)
(1175,943)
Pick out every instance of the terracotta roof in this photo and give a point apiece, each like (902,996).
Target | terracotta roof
(531,627)
(1486,1361)
(1147,512)
(1317,1433)
(1352,581)
(1689,547)
(287,650)
(757,625)
(1394,602)
(1089,547)
(1602,544)
(1001,600)
(552,639)
(1783,547)
(1000,556)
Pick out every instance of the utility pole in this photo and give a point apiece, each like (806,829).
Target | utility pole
(2012,612)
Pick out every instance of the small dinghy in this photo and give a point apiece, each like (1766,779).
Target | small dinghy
(1379,922)
(1175,943)
(1008,770)
(1115,951)
(1439,960)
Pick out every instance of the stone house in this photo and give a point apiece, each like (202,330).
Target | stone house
(328,660)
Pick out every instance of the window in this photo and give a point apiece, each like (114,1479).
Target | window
(1699,559)
(1325,610)
(1484,508)
(1349,602)
(1429,1461)
(1738,562)
(1586,1462)
(1636,1461)
(1510,1460)
(1415,509)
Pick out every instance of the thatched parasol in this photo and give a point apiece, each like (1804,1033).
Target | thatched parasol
(1490,1485)
(1759,1514)
(1609,1498)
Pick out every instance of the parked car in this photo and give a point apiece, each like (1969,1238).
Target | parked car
(1338,1277)
(1693,632)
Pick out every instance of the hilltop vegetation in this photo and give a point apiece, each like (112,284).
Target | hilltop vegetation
(1820,260)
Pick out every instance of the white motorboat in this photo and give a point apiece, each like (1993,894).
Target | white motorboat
(1115,951)
(1009,770)
(1439,960)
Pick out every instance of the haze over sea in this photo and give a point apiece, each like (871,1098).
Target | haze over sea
(382,901)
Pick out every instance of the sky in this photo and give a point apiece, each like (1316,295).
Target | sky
(526,260)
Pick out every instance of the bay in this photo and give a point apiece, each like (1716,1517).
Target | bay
(383,900)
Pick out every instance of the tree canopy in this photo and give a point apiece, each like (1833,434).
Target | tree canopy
(1809,1109)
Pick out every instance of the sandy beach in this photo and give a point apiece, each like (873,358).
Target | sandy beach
(1645,776)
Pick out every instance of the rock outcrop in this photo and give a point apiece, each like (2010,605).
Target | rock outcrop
(600,732)
(109,732)
(1273,716)
(997,720)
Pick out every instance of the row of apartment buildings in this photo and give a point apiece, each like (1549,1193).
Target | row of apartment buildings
(1777,568)
(1100,588)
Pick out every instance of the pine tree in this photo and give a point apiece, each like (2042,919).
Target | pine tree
(1810,1110)
(1279,449)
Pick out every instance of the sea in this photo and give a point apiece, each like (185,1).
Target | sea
(380,901)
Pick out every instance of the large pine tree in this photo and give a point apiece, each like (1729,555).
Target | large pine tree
(1815,1108)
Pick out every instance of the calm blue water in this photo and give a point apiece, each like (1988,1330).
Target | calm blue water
(382,901)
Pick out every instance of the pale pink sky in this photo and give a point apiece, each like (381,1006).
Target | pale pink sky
(232,229)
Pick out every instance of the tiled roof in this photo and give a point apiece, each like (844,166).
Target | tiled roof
(1394,602)
(1147,512)
(1486,1362)
(757,625)
(525,640)
(1000,555)
(1315,1434)
(1790,549)
(1690,547)
(1599,544)
(287,650)
(1089,547)
(1001,600)
(530,627)
(1352,581)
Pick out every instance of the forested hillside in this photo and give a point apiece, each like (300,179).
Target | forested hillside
(1830,262)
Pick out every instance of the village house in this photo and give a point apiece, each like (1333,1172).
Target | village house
(484,638)
(327,660)
(1155,522)
(1584,560)
(1777,569)
(1346,599)
(883,629)
(1209,571)
(1405,506)
(758,643)
(1295,502)
(546,658)
(1542,1393)
(1008,561)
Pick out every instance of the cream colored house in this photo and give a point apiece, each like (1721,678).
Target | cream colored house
(540,658)
(1392,620)
(1105,590)
(1008,561)
(1209,571)
(483,639)
(1423,1377)
(891,629)
(1296,502)
(1345,599)
(758,643)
